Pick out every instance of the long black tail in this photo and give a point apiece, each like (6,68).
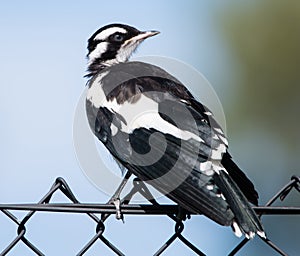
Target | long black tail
(245,185)
(245,221)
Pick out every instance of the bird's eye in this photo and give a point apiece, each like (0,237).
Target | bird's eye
(118,37)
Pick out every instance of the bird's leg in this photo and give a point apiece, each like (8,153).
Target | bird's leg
(138,187)
(144,191)
(115,199)
(121,186)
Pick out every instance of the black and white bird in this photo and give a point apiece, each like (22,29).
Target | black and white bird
(157,130)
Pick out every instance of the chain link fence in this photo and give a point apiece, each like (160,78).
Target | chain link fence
(178,215)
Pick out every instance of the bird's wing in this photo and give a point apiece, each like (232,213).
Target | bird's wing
(154,127)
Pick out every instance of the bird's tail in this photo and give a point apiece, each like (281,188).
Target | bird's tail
(246,221)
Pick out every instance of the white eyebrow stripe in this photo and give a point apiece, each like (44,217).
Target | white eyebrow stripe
(109,31)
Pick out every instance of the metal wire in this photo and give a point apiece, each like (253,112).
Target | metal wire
(177,214)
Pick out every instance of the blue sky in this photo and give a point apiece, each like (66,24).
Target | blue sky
(42,60)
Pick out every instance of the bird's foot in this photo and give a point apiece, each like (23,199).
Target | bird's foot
(117,203)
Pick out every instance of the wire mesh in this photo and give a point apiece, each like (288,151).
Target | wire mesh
(177,214)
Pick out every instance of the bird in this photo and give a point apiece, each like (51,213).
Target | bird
(157,130)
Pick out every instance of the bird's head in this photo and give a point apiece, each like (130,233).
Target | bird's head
(113,44)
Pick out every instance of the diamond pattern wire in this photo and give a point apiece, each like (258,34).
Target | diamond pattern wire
(174,212)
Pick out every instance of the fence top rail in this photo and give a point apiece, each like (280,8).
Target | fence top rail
(134,209)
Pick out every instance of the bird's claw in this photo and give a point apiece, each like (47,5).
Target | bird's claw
(117,204)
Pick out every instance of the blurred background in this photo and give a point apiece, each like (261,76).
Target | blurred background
(248,50)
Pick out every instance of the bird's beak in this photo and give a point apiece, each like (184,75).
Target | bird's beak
(142,36)
(146,34)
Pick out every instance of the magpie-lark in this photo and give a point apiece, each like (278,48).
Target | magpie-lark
(157,130)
